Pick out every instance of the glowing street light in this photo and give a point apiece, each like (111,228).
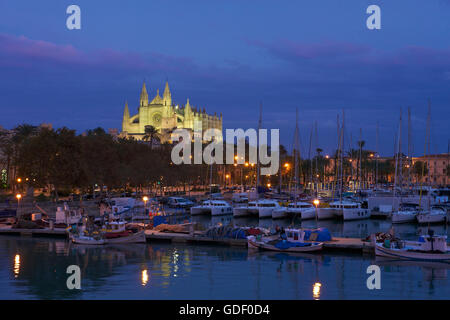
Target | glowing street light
(18,196)
(316,290)
(316,203)
(19,180)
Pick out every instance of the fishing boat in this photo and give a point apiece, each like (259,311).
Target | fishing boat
(294,242)
(428,248)
(406,213)
(87,240)
(437,214)
(137,237)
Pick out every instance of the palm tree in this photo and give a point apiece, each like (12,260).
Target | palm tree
(150,133)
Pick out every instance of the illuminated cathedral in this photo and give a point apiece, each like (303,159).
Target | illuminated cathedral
(162,114)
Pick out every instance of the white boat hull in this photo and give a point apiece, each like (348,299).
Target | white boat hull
(410,255)
(265,246)
(241,212)
(325,213)
(280,213)
(431,218)
(85,241)
(265,213)
(138,237)
(355,214)
(221,211)
(403,217)
(200,210)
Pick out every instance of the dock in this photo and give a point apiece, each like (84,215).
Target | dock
(45,232)
(197,237)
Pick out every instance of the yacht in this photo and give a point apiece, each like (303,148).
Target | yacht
(349,210)
(249,209)
(406,213)
(213,207)
(304,210)
(266,207)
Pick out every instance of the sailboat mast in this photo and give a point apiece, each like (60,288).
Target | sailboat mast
(342,155)
(376,161)
(359,161)
(296,151)
(409,160)
(257,155)
(310,161)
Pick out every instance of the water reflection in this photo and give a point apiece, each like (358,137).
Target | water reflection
(16,265)
(316,290)
(144,277)
(179,271)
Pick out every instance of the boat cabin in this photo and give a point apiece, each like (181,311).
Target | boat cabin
(295,235)
(344,205)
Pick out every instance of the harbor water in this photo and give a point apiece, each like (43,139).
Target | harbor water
(35,268)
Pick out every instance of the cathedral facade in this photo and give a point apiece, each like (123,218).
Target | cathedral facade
(165,116)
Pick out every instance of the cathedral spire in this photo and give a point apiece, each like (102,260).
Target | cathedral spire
(126,112)
(143,101)
(167,96)
(126,117)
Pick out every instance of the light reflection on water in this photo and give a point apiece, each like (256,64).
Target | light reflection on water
(36,269)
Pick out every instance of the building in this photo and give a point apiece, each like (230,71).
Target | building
(165,116)
(438,166)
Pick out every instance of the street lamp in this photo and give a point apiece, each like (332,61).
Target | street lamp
(316,203)
(18,196)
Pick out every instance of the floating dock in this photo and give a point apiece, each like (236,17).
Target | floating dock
(337,244)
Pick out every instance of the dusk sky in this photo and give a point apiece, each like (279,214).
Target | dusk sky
(228,56)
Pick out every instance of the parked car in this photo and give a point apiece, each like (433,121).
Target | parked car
(178,202)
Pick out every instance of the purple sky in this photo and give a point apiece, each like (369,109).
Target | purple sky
(317,56)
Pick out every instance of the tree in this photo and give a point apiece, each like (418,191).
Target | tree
(150,133)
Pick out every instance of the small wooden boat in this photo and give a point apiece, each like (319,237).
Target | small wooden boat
(285,246)
(138,237)
(293,242)
(428,248)
(87,240)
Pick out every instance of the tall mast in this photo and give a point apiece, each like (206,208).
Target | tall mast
(310,160)
(316,145)
(359,161)
(409,160)
(351,161)
(428,151)
(397,153)
(296,151)
(257,148)
(342,155)
(376,161)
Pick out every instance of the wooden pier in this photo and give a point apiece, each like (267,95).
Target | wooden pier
(337,244)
